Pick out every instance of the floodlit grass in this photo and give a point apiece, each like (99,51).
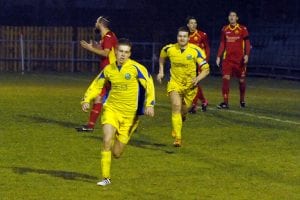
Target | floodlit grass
(234,154)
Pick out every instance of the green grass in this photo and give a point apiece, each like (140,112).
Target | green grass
(236,154)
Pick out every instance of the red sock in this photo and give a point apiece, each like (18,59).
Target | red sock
(94,114)
(242,91)
(225,90)
(200,94)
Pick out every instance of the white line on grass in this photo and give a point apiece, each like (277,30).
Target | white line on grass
(259,116)
(249,115)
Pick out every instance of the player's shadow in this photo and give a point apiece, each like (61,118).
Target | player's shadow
(74,176)
(141,144)
(38,119)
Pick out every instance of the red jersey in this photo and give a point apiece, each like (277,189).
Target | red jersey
(234,43)
(108,41)
(200,39)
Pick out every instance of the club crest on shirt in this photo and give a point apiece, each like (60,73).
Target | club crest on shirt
(196,38)
(236,32)
(127,76)
(189,57)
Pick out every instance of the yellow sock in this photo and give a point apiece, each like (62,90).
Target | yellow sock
(177,124)
(105,163)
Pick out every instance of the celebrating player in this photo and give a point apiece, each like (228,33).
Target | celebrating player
(185,58)
(200,39)
(125,101)
(235,48)
(106,49)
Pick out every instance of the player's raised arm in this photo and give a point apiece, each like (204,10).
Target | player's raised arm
(93,91)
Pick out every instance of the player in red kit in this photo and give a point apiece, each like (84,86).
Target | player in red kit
(106,50)
(235,49)
(200,39)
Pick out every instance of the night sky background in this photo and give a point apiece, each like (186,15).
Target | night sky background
(149,20)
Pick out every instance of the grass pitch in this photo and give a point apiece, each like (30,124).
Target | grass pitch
(236,154)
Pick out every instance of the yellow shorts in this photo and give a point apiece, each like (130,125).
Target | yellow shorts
(125,125)
(187,93)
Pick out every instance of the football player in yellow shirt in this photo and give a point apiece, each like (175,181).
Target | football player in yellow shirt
(132,88)
(185,59)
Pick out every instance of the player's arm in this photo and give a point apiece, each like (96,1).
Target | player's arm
(207,47)
(247,45)
(162,59)
(203,67)
(93,91)
(92,48)
(146,81)
(221,47)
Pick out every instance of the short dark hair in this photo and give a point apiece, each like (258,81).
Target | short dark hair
(104,20)
(183,29)
(189,18)
(125,41)
(232,11)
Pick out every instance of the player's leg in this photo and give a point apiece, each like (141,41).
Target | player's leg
(108,136)
(242,86)
(95,112)
(125,130)
(204,102)
(176,102)
(226,75)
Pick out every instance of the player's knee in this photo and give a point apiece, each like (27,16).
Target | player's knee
(117,154)
(98,99)
(176,106)
(227,77)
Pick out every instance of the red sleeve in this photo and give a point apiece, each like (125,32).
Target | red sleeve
(247,41)
(222,43)
(108,42)
(207,47)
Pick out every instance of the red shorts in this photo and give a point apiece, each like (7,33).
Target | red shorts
(234,69)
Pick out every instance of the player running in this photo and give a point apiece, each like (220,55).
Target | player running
(132,88)
(235,48)
(106,49)
(185,60)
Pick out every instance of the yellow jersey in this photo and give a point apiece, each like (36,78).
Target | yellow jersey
(184,62)
(132,88)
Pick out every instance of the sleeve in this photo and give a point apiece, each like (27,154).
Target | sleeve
(145,79)
(201,60)
(222,43)
(164,51)
(95,88)
(247,41)
(108,42)
(207,47)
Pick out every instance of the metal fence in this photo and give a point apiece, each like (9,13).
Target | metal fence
(270,56)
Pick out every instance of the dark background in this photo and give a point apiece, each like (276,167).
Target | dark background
(149,20)
(273,25)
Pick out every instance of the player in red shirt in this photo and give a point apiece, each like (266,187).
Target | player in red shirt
(200,39)
(105,49)
(235,48)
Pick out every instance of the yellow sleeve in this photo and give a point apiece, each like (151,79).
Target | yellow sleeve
(201,59)
(164,51)
(145,79)
(95,88)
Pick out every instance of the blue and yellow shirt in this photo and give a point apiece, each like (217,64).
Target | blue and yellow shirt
(131,88)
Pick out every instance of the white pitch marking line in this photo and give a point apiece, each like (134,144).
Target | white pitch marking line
(260,116)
